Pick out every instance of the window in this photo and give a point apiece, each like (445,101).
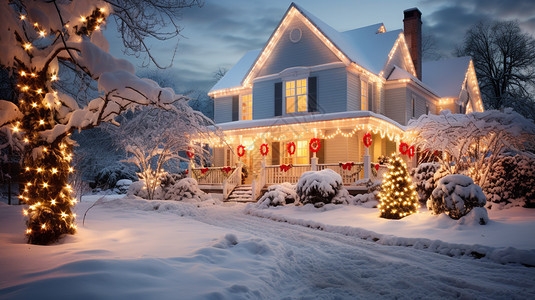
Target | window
(247,107)
(363,95)
(296,96)
(301,155)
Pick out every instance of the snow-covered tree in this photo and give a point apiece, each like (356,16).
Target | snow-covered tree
(398,197)
(37,39)
(471,143)
(154,138)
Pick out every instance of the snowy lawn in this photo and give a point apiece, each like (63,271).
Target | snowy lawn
(508,237)
(137,249)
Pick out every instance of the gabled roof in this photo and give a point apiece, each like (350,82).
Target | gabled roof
(446,76)
(368,47)
(234,76)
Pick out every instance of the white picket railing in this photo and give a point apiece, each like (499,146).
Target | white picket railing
(378,176)
(212,175)
(274,175)
(348,176)
(231,182)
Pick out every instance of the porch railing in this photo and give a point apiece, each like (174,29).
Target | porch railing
(378,176)
(211,175)
(231,182)
(274,174)
(258,184)
(349,175)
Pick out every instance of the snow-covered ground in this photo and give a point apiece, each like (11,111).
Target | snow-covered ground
(136,249)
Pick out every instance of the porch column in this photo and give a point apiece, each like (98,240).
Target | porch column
(314,163)
(190,166)
(367,162)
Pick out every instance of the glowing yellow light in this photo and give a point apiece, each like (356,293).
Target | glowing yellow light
(34,104)
(97,27)
(45,185)
(54,77)
(83,19)
(22,17)
(102,10)
(54,170)
(42,33)
(39,91)
(39,170)
(28,231)
(41,122)
(43,226)
(25,88)
(53,202)
(71,169)
(22,73)
(27,46)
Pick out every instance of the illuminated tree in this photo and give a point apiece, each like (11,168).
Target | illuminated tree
(398,197)
(39,37)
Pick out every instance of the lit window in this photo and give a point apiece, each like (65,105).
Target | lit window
(296,96)
(247,107)
(363,95)
(301,155)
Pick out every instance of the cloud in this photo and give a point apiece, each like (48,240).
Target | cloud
(450,20)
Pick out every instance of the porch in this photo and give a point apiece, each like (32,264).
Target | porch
(225,179)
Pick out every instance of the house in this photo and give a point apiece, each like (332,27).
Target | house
(311,81)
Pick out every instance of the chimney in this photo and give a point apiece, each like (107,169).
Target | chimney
(412,28)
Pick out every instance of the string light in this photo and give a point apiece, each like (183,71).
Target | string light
(398,196)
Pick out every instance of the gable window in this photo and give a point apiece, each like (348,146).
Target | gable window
(247,107)
(301,156)
(296,96)
(363,95)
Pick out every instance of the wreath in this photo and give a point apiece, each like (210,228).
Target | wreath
(241,150)
(314,145)
(411,151)
(190,153)
(403,148)
(367,139)
(291,148)
(264,149)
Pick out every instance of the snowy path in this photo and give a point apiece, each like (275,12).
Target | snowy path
(326,265)
(137,249)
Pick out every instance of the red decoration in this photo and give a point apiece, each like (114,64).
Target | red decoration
(187,171)
(264,149)
(227,169)
(291,148)
(367,140)
(285,168)
(403,148)
(347,166)
(377,167)
(411,151)
(204,170)
(241,150)
(190,153)
(314,145)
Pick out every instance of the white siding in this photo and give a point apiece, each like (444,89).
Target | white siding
(332,90)
(264,99)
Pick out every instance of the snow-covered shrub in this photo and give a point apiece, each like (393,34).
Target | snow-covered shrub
(280,194)
(121,187)
(511,181)
(424,180)
(186,189)
(319,187)
(456,195)
(108,177)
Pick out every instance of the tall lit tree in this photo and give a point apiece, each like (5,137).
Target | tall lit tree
(36,38)
(398,197)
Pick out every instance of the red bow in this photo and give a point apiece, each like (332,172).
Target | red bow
(347,166)
(227,169)
(204,170)
(285,168)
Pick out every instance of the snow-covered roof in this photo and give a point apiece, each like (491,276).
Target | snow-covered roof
(400,73)
(235,75)
(364,46)
(446,76)
(305,119)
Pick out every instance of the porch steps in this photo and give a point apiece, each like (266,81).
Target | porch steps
(242,193)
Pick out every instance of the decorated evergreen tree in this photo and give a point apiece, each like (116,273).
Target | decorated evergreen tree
(398,197)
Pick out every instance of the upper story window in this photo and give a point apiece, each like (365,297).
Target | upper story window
(296,96)
(364,95)
(247,107)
